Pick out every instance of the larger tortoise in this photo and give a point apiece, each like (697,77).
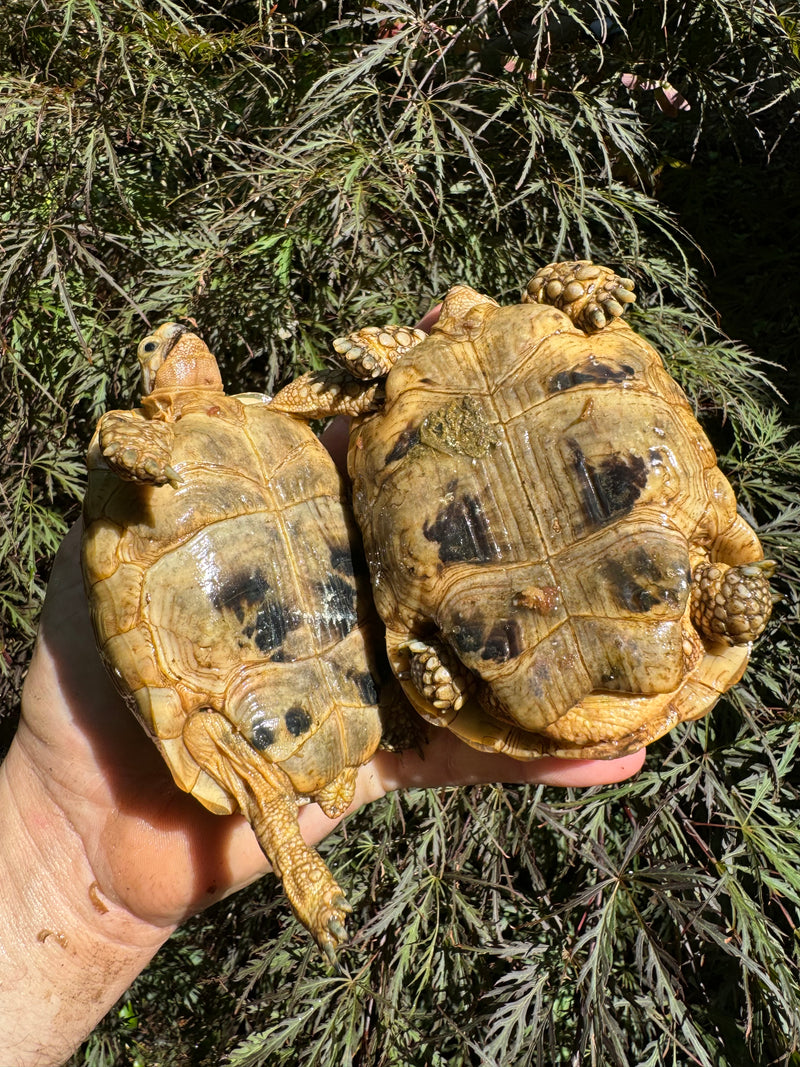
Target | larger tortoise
(218,560)
(555,553)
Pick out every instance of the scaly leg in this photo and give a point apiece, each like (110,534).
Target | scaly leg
(267,800)
(353,388)
(438,677)
(321,393)
(732,603)
(374,350)
(137,449)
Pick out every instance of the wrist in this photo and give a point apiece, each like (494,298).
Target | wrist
(68,951)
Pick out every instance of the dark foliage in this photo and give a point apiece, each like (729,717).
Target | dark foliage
(275,174)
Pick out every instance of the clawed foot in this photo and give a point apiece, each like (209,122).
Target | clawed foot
(138,450)
(439,677)
(374,350)
(355,387)
(590,295)
(329,929)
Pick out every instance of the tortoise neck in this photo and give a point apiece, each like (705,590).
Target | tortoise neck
(171,404)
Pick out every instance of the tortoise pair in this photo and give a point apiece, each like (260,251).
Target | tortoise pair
(553,551)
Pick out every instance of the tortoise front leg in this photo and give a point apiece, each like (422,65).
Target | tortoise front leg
(318,394)
(135,448)
(372,351)
(354,388)
(268,801)
(590,295)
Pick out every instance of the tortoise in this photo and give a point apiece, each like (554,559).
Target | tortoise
(221,564)
(555,553)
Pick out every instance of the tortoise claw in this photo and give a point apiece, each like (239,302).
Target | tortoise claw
(334,933)
(341,903)
(172,477)
(338,930)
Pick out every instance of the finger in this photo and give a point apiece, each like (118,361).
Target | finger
(451,762)
(335,437)
(429,318)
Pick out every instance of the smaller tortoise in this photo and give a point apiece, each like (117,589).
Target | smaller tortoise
(218,562)
(555,554)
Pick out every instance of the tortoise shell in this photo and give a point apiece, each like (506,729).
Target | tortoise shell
(556,556)
(229,605)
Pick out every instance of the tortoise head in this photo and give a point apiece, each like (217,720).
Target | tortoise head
(173,357)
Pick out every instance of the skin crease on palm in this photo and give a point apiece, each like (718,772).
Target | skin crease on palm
(102,856)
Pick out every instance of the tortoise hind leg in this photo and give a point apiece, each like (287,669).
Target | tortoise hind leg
(592,296)
(732,603)
(268,802)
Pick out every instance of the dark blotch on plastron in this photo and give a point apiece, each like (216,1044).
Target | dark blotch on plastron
(462,532)
(297,720)
(590,372)
(610,489)
(271,625)
(350,559)
(342,559)
(404,443)
(367,687)
(639,583)
(615,677)
(264,621)
(466,635)
(627,591)
(263,735)
(336,606)
(504,641)
(241,592)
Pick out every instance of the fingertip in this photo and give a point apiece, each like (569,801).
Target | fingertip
(449,761)
(585,773)
(336,437)
(429,318)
